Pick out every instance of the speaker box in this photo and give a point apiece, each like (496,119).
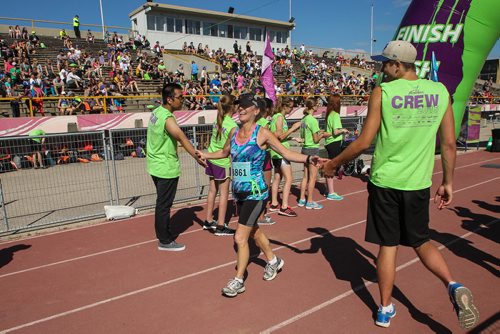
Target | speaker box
(72,127)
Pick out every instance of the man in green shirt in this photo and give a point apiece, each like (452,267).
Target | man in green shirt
(76,26)
(405,113)
(163,161)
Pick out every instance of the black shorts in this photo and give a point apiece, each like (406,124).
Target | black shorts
(278,162)
(35,146)
(249,211)
(333,149)
(397,217)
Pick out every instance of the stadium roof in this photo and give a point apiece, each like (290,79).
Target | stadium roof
(158,7)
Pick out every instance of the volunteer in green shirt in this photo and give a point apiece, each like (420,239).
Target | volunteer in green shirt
(311,134)
(282,167)
(406,113)
(163,161)
(219,169)
(36,147)
(334,133)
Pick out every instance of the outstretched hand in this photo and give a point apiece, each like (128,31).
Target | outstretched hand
(329,168)
(317,161)
(200,158)
(444,195)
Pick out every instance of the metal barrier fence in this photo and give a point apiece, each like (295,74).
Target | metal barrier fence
(87,170)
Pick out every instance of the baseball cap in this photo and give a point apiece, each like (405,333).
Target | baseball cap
(398,50)
(247,100)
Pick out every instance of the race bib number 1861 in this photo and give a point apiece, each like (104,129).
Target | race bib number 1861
(241,171)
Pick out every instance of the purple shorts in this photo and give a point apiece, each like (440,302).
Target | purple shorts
(217,172)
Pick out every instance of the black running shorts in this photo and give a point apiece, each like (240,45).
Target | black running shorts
(397,217)
(249,211)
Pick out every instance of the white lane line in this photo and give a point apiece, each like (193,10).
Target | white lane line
(361,286)
(174,210)
(189,232)
(121,248)
(135,292)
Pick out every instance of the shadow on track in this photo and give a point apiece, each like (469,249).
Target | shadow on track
(352,263)
(7,254)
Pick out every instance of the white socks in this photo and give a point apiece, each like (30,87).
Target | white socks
(387,309)
(239,279)
(273,261)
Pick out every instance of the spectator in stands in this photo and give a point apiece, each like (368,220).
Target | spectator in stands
(64,106)
(90,37)
(12,32)
(24,33)
(37,102)
(17,31)
(249,47)
(58,85)
(76,26)
(73,80)
(33,38)
(15,105)
(200,49)
(62,34)
(194,71)
(163,163)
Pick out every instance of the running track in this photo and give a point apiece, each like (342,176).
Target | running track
(110,277)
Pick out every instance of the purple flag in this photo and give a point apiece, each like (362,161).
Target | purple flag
(267,78)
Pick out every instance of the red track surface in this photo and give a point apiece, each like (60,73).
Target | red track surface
(111,278)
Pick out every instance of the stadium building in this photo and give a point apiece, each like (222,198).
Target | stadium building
(173,25)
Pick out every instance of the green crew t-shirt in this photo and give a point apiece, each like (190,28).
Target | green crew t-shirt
(263,122)
(161,154)
(309,126)
(36,132)
(273,128)
(411,114)
(333,122)
(218,144)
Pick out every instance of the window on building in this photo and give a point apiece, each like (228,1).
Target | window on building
(210,29)
(151,22)
(272,36)
(222,30)
(193,27)
(240,32)
(160,23)
(178,25)
(255,34)
(174,25)
(230,33)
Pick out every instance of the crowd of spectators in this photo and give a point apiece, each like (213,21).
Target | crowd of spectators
(125,62)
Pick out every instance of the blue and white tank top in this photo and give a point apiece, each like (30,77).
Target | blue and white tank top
(247,162)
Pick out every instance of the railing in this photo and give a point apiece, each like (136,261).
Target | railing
(89,170)
(35,23)
(299,99)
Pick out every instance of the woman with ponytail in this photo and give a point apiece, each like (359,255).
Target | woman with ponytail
(219,169)
(334,133)
(282,167)
(311,134)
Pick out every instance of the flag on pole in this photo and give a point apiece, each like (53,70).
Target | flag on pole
(267,77)
(433,74)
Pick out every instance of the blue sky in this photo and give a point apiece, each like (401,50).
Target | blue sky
(322,23)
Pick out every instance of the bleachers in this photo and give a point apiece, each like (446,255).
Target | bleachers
(53,46)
